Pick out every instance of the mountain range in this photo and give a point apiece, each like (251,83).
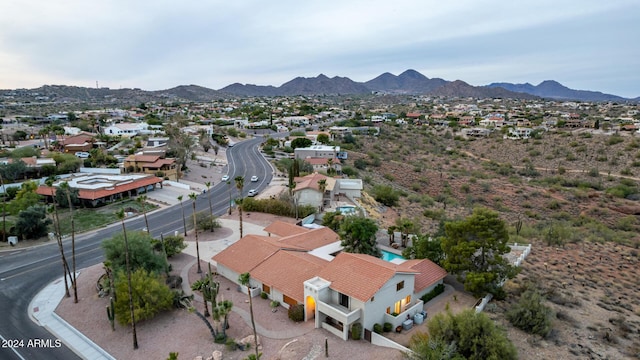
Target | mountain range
(409,82)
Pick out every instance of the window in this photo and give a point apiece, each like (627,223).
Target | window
(343,300)
(397,307)
(408,299)
(400,285)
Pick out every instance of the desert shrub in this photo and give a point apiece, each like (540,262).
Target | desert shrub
(377,328)
(296,313)
(172,245)
(264,295)
(530,314)
(385,195)
(614,139)
(356,331)
(276,207)
(439,289)
(387,327)
(206,221)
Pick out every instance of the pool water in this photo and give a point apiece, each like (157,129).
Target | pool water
(346,209)
(389,256)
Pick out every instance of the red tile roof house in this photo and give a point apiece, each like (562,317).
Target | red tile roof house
(99,189)
(296,265)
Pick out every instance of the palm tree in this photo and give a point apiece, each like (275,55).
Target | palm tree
(56,228)
(322,185)
(229,188)
(208,185)
(4,210)
(142,201)
(239,185)
(120,215)
(65,186)
(245,279)
(184,221)
(193,198)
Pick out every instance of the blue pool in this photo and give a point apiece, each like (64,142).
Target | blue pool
(388,256)
(346,209)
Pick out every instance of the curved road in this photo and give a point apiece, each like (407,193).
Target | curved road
(26,271)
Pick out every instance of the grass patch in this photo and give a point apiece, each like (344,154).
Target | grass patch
(92,218)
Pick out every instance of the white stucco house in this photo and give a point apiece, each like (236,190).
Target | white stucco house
(295,265)
(317,151)
(126,129)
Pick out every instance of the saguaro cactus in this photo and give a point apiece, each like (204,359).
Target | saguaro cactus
(111,313)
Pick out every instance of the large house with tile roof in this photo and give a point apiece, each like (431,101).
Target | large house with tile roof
(295,265)
(307,190)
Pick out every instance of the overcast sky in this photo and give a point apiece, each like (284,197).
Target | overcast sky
(153,45)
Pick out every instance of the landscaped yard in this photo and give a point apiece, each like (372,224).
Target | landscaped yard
(91,218)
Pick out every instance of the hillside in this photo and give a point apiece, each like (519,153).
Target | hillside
(577,196)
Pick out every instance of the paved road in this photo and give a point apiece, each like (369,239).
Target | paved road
(26,271)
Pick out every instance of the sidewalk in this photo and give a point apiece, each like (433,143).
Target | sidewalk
(42,307)
(42,312)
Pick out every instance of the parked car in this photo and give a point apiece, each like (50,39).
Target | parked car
(225,178)
(254,178)
(83,154)
(252,192)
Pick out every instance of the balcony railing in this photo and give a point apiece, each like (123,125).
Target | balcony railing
(339,312)
(409,310)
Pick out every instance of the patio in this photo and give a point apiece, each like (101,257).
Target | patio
(457,301)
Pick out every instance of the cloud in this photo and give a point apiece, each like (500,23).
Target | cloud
(161,44)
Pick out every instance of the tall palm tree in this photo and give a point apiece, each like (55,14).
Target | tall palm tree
(56,228)
(229,188)
(245,279)
(120,215)
(322,185)
(208,185)
(67,189)
(4,210)
(240,185)
(184,221)
(142,200)
(193,197)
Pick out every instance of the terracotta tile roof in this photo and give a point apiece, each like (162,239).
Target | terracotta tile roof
(287,271)
(312,239)
(80,139)
(357,275)
(311,181)
(93,194)
(321,161)
(281,228)
(427,274)
(247,253)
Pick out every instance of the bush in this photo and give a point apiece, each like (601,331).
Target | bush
(356,331)
(439,289)
(385,195)
(377,328)
(296,312)
(206,221)
(172,245)
(387,327)
(264,295)
(276,207)
(530,314)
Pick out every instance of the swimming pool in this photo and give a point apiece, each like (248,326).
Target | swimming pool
(389,256)
(346,209)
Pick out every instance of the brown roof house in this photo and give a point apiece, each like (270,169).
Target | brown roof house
(151,164)
(337,289)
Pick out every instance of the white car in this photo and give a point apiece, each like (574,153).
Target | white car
(225,178)
(252,192)
(83,154)
(254,178)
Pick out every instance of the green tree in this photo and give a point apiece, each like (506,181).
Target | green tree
(301,142)
(425,247)
(32,222)
(358,236)
(531,314)
(181,144)
(127,270)
(473,250)
(333,220)
(62,198)
(245,279)
(467,335)
(25,198)
(323,138)
(149,292)
(171,245)
(140,254)
(14,171)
